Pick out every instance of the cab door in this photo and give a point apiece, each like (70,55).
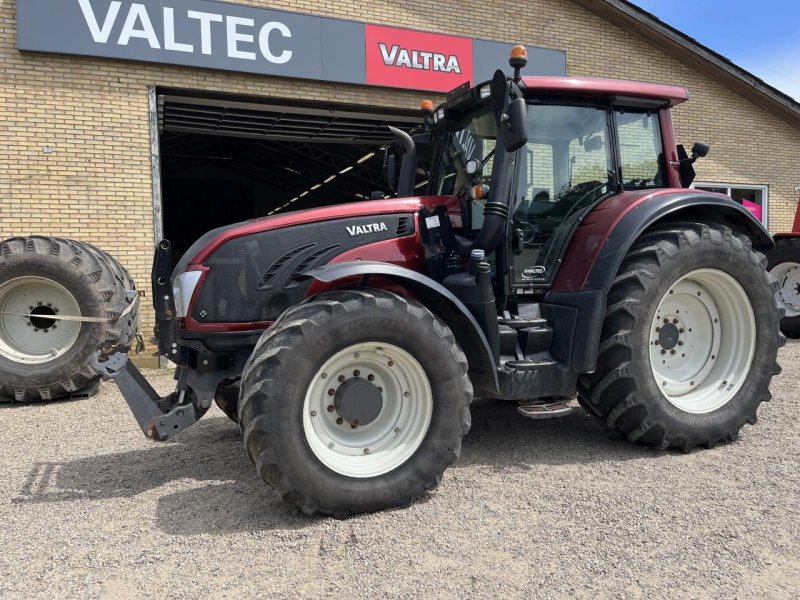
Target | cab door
(565,167)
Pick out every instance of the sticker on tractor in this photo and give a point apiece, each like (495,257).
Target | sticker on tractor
(537,272)
(431,222)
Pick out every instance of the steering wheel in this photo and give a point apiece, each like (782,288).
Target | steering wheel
(574,197)
(639,184)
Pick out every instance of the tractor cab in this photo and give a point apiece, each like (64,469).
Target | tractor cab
(568,144)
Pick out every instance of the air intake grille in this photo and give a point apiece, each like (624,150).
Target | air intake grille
(265,284)
(405,226)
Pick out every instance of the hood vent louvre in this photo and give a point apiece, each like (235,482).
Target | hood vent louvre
(405,226)
(265,284)
(310,261)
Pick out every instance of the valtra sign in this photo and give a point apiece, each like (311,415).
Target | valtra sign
(233,37)
(417,60)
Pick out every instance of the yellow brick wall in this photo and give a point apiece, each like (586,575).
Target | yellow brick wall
(96,185)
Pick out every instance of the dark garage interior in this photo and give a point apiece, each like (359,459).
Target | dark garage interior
(225,160)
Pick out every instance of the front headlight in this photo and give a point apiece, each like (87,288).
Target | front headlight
(182,291)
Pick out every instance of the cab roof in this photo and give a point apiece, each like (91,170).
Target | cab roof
(594,87)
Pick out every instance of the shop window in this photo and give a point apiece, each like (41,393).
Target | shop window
(752,197)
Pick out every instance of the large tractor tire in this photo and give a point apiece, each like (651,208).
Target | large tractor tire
(689,342)
(355,402)
(783,263)
(42,358)
(227,399)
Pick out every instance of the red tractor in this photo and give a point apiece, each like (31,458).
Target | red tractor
(783,263)
(558,251)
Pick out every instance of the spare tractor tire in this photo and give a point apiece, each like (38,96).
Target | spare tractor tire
(41,278)
(783,263)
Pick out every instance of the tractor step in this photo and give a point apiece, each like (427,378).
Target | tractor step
(523,323)
(542,409)
(530,365)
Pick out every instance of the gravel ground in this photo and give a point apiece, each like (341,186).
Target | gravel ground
(91,509)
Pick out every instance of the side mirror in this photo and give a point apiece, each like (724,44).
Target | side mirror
(699,150)
(590,144)
(515,120)
(685,167)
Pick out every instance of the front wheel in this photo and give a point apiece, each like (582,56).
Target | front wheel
(689,341)
(354,402)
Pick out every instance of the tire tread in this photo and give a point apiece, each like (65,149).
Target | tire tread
(597,390)
(109,277)
(258,424)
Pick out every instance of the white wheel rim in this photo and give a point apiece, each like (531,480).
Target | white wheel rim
(34,338)
(393,436)
(702,341)
(788,276)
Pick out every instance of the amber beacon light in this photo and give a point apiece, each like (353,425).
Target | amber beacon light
(519,56)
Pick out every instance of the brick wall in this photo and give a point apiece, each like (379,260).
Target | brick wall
(96,183)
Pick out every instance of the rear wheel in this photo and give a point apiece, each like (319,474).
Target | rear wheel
(783,263)
(689,341)
(355,402)
(42,280)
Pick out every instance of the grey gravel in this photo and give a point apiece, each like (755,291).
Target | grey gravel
(91,509)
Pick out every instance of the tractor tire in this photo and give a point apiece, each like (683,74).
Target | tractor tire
(227,399)
(783,263)
(355,402)
(46,359)
(689,341)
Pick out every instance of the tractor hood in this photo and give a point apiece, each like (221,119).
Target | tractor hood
(247,273)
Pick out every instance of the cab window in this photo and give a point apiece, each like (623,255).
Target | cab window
(640,152)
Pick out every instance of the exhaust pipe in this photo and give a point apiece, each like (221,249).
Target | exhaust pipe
(408,166)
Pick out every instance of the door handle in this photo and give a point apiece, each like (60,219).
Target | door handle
(517,241)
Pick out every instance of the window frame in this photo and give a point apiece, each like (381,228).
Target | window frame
(742,186)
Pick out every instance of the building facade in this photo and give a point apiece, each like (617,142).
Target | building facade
(80,153)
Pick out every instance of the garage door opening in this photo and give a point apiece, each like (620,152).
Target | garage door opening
(225,160)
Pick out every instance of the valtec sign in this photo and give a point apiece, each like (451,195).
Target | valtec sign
(137,24)
(232,37)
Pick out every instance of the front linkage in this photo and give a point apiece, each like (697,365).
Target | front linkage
(159,417)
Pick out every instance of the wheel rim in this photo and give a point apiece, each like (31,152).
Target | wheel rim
(36,338)
(702,341)
(788,276)
(398,407)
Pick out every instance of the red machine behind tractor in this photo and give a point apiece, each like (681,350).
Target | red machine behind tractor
(559,250)
(784,265)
